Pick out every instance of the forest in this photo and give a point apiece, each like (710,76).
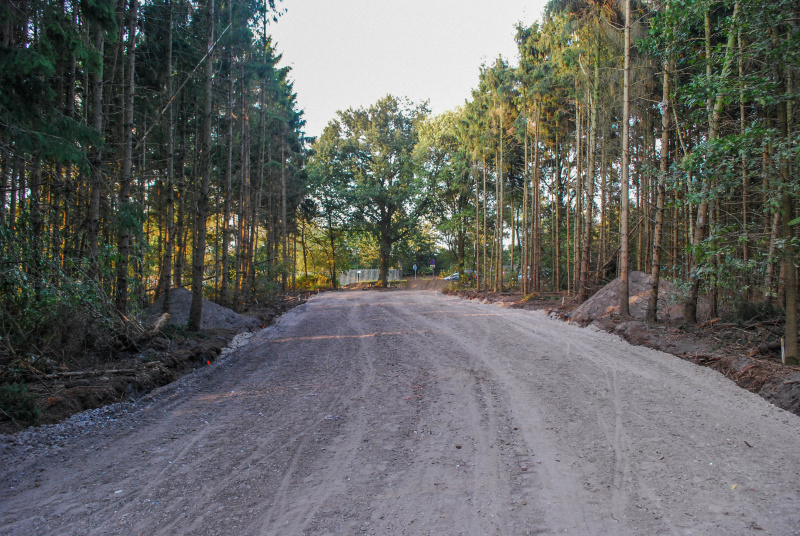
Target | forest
(157,144)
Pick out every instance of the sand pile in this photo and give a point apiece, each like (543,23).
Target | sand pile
(214,315)
(606,301)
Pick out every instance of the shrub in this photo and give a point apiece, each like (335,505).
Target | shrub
(18,405)
(312,282)
(53,312)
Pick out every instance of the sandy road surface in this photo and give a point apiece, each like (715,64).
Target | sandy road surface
(414,413)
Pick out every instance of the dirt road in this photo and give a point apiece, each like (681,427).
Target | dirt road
(413,413)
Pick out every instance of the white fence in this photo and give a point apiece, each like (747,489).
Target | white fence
(356,276)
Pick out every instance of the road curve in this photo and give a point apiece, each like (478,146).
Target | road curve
(414,413)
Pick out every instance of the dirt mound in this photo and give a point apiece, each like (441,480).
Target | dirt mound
(214,315)
(427,283)
(606,301)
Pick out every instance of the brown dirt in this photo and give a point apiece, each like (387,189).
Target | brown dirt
(605,302)
(427,283)
(411,413)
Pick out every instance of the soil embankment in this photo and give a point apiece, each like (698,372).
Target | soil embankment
(141,365)
(427,283)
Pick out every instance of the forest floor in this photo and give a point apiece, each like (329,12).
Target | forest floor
(413,412)
(90,380)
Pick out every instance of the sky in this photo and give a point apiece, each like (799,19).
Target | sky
(350,53)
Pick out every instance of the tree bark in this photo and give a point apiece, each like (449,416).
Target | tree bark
(652,303)
(169,247)
(284,223)
(198,255)
(790,351)
(95,160)
(226,235)
(624,292)
(690,306)
(126,208)
(586,254)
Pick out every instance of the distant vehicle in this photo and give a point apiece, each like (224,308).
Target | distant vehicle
(452,277)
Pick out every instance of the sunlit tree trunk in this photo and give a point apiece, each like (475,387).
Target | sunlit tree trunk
(537,235)
(586,254)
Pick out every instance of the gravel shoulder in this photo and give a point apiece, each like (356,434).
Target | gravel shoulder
(405,412)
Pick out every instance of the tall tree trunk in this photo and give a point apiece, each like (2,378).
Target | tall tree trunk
(652,303)
(603,196)
(511,220)
(284,223)
(166,277)
(497,223)
(624,291)
(473,171)
(239,292)
(537,238)
(524,264)
(199,253)
(180,224)
(586,254)
(126,208)
(557,227)
(95,159)
(500,213)
(690,306)
(228,192)
(483,273)
(745,181)
(579,192)
(790,351)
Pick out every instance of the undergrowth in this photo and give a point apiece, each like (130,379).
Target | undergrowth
(18,404)
(51,314)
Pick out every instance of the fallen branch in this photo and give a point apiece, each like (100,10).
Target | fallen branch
(709,322)
(765,349)
(762,323)
(80,373)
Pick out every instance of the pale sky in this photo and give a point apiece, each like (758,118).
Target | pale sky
(350,53)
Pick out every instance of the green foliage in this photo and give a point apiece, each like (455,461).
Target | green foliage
(18,404)
(366,174)
(312,282)
(47,312)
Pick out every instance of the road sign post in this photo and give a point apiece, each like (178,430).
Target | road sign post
(415,272)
